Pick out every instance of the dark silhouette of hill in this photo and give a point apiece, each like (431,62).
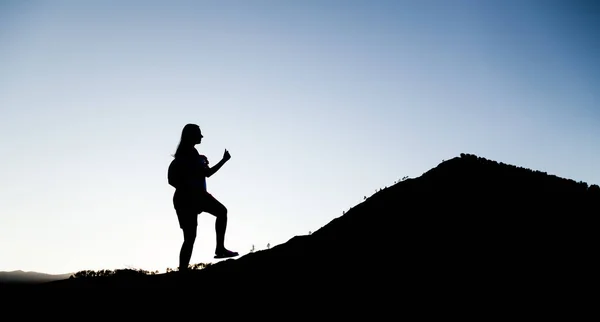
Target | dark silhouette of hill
(468,227)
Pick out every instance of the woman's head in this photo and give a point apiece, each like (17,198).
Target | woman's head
(190,136)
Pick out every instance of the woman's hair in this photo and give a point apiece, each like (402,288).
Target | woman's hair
(188,138)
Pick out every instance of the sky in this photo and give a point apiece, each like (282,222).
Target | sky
(320,103)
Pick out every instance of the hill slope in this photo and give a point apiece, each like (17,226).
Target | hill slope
(469,225)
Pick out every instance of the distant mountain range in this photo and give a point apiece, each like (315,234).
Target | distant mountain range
(30,277)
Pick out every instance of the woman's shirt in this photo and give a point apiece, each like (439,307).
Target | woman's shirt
(188,171)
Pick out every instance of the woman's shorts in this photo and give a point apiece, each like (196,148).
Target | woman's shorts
(188,205)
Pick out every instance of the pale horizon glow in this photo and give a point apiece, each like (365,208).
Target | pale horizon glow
(320,103)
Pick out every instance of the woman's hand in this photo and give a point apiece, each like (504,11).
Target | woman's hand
(226,156)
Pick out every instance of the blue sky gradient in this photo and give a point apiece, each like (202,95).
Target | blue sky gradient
(320,103)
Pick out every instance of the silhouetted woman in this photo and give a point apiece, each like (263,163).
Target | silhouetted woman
(188,173)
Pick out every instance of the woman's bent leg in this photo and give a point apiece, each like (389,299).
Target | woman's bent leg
(217,209)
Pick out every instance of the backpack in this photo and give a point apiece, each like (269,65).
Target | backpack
(173,173)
